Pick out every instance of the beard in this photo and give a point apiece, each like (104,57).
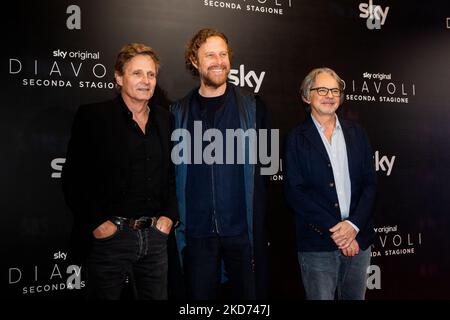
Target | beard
(215,81)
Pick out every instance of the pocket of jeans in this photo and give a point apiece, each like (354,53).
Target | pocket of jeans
(154,228)
(110,237)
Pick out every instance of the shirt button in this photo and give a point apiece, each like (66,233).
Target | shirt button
(336,205)
(149,179)
(331,184)
(329,165)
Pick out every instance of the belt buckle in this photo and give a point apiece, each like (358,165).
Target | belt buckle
(136,224)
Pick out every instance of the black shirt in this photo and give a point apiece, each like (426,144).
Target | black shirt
(144,192)
(211,108)
(215,193)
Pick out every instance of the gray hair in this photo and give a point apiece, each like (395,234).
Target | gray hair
(305,88)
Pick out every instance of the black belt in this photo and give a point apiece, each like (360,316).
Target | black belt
(135,224)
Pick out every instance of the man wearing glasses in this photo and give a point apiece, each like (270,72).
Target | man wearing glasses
(330,185)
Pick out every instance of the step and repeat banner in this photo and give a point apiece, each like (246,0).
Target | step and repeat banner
(393,55)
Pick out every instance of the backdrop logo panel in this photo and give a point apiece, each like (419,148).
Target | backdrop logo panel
(57,165)
(380,87)
(384,163)
(392,241)
(241,77)
(62,69)
(275,7)
(375,14)
(46,277)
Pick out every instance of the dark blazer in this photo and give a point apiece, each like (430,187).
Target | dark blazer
(97,170)
(254,114)
(310,188)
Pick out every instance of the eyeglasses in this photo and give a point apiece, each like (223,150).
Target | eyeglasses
(322,91)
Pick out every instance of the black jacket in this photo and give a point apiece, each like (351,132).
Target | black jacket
(97,170)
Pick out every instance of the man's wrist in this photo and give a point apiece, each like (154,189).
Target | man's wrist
(353,225)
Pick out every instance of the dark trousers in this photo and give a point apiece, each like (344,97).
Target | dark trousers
(137,255)
(203,262)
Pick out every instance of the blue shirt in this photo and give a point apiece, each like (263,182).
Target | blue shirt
(337,152)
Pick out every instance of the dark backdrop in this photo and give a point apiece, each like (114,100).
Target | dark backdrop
(397,80)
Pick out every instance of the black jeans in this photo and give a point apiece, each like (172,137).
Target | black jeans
(204,257)
(140,255)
